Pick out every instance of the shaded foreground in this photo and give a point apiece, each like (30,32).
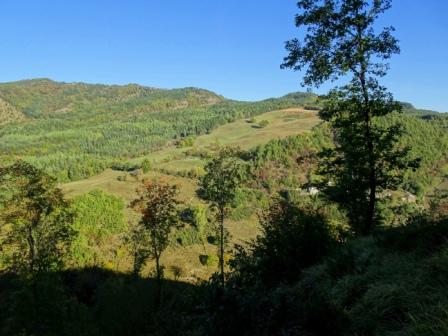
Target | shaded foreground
(389,283)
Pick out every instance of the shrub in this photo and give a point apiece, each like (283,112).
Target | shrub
(146,166)
(311,108)
(209,260)
(292,239)
(263,123)
(99,219)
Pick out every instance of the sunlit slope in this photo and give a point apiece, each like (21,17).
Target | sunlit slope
(9,114)
(77,130)
(241,133)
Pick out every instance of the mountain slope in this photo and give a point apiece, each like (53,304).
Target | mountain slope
(76,130)
(43,97)
(9,114)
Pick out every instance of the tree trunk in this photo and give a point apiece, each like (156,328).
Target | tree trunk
(31,248)
(158,275)
(369,222)
(158,298)
(221,252)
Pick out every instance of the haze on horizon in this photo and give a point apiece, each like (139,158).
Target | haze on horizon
(233,48)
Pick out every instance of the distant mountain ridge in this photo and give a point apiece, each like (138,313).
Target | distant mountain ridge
(75,130)
(37,98)
(42,98)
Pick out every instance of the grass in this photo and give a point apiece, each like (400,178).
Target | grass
(108,182)
(184,257)
(241,133)
(183,164)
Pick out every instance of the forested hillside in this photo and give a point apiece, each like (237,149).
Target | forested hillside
(288,160)
(76,130)
(40,98)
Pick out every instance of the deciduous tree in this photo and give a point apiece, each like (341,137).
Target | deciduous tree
(340,40)
(157,205)
(223,176)
(35,220)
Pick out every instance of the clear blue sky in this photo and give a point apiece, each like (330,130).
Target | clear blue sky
(233,47)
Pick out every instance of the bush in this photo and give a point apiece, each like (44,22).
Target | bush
(292,239)
(311,108)
(123,166)
(209,260)
(263,123)
(99,220)
(146,166)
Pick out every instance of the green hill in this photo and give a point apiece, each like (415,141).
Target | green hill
(39,98)
(75,130)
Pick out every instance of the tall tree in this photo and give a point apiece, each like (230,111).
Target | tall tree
(158,206)
(340,39)
(223,176)
(35,220)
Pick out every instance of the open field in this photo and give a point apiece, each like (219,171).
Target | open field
(241,133)
(108,182)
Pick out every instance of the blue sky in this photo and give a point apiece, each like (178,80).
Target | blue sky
(233,47)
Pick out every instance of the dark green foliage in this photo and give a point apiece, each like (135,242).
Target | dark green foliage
(280,164)
(93,302)
(30,308)
(35,221)
(277,164)
(294,237)
(342,39)
(363,154)
(393,283)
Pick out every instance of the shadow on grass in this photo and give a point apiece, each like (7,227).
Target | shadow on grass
(91,301)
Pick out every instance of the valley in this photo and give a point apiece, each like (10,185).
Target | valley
(171,161)
(97,137)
